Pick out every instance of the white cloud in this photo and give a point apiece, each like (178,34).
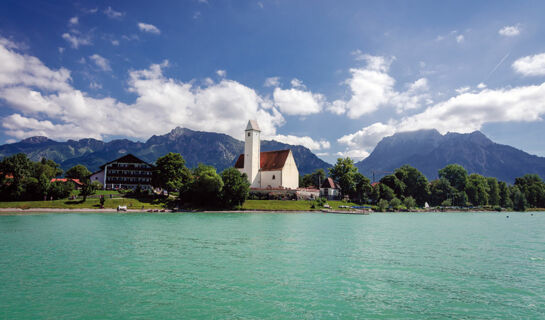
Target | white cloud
(115,42)
(76,41)
(148,28)
(296,83)
(462,89)
(510,31)
(111,13)
(530,65)
(74,20)
(61,50)
(272,82)
(460,38)
(44,103)
(95,85)
(354,154)
(368,137)
(304,141)
(298,102)
(481,86)
(372,87)
(101,62)
(221,73)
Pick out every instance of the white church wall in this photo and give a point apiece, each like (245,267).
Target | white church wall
(98,176)
(290,174)
(271,179)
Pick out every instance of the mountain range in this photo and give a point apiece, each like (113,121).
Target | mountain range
(429,151)
(216,149)
(426,150)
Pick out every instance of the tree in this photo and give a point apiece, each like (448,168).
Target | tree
(533,189)
(440,191)
(456,176)
(17,167)
(60,190)
(79,172)
(409,202)
(384,192)
(477,189)
(395,203)
(171,174)
(236,188)
(505,195)
(363,189)
(207,186)
(89,188)
(518,198)
(313,179)
(493,191)
(395,184)
(344,173)
(417,185)
(383,205)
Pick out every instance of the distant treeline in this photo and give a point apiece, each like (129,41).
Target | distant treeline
(455,187)
(23,179)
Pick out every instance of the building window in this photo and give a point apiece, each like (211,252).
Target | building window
(273,176)
(248,134)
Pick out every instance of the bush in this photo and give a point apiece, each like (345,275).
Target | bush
(60,190)
(409,202)
(395,203)
(446,203)
(382,205)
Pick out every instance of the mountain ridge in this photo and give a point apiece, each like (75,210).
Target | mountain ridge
(429,151)
(217,149)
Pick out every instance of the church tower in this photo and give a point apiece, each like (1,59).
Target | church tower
(252,152)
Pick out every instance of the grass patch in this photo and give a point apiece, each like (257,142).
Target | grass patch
(298,205)
(92,203)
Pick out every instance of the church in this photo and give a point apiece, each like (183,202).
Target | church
(270,169)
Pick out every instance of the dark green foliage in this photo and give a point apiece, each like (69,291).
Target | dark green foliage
(60,190)
(477,189)
(89,188)
(102,201)
(533,189)
(505,195)
(363,191)
(206,187)
(441,190)
(456,176)
(519,200)
(459,199)
(236,188)
(344,172)
(395,203)
(493,191)
(313,179)
(382,205)
(382,191)
(416,184)
(79,172)
(409,202)
(395,184)
(171,174)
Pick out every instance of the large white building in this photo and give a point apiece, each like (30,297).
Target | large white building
(271,169)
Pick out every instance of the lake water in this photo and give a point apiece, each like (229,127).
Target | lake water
(276,266)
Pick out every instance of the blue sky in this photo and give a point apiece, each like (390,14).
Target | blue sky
(334,76)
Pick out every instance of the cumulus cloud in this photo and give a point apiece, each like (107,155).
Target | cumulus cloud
(304,141)
(45,103)
(76,41)
(145,27)
(509,31)
(530,65)
(298,102)
(272,82)
(372,87)
(101,62)
(221,73)
(355,154)
(73,20)
(465,112)
(296,83)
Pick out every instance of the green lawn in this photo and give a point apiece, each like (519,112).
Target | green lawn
(98,192)
(94,203)
(301,205)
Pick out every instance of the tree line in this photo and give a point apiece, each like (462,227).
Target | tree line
(24,180)
(455,187)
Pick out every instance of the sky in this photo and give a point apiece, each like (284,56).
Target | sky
(334,76)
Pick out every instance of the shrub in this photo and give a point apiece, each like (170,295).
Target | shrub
(382,205)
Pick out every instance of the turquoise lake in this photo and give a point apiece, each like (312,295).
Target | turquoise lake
(272,266)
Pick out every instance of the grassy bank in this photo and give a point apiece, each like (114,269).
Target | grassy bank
(289,205)
(92,203)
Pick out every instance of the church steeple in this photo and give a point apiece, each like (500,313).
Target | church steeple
(252,152)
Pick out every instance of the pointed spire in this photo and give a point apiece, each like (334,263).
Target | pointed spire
(252,125)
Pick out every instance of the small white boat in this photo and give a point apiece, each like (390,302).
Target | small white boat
(121,208)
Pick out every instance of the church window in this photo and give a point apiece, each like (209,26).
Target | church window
(248,134)
(273,176)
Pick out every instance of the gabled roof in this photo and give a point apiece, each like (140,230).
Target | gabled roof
(128,158)
(269,160)
(330,184)
(252,125)
(76,181)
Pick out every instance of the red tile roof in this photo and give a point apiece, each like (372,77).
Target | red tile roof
(330,184)
(66,180)
(269,160)
(374,184)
